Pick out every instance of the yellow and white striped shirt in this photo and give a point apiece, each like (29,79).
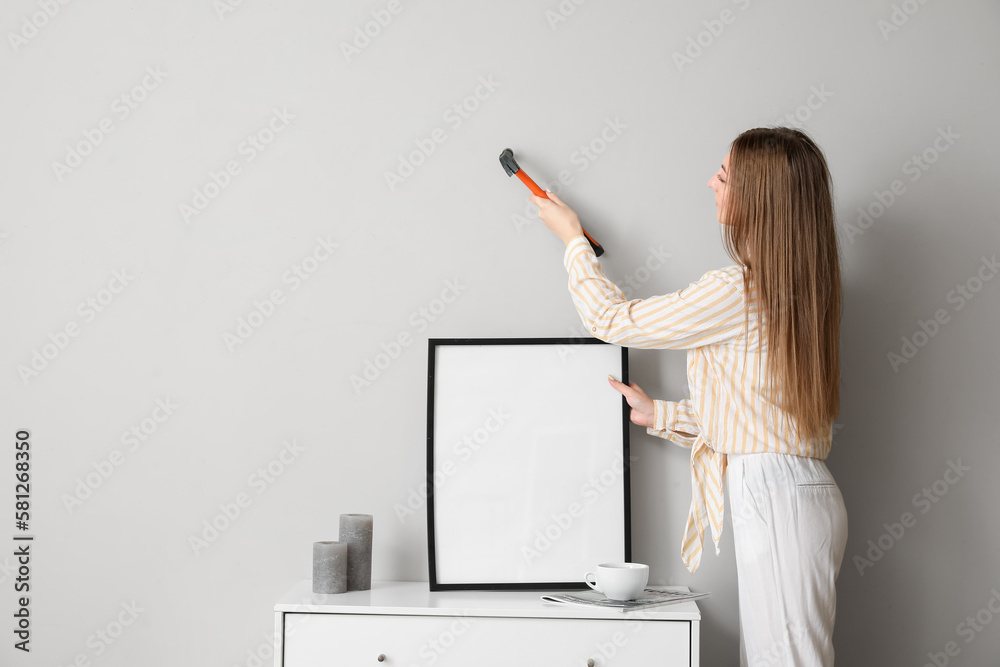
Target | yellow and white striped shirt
(729,411)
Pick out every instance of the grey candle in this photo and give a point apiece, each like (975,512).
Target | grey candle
(356,531)
(329,567)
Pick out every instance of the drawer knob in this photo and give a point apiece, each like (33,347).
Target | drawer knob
(381,657)
(590,662)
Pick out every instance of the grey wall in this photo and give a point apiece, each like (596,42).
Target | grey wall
(876,86)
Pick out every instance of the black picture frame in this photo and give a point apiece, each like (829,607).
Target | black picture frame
(612,414)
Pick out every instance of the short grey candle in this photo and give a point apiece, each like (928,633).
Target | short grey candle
(329,567)
(356,531)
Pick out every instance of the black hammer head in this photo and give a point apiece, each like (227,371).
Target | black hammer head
(507,160)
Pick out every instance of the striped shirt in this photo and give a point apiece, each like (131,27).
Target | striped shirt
(729,410)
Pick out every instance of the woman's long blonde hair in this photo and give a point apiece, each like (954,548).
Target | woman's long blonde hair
(780,228)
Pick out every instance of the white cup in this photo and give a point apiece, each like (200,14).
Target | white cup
(619,581)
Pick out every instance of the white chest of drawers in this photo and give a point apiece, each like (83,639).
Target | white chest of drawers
(404,624)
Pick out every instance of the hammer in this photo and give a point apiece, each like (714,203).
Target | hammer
(510,166)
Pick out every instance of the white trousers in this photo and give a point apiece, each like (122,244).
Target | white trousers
(790,532)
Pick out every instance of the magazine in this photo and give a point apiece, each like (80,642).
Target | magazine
(652,596)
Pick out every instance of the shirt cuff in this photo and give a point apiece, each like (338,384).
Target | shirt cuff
(665,416)
(660,410)
(659,427)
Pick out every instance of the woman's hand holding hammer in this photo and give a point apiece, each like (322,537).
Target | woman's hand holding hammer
(558,217)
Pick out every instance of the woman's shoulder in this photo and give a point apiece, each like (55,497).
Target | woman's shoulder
(732,274)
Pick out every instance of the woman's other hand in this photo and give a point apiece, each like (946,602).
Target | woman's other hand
(558,217)
(641,404)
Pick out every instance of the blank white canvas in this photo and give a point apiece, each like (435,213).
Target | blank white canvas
(529,483)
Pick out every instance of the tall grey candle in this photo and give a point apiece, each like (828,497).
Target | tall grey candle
(356,531)
(329,567)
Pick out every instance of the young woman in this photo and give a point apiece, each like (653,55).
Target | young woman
(763,371)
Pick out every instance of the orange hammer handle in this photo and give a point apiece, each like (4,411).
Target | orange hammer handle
(531,184)
(598,250)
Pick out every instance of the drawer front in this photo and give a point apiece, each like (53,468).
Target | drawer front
(335,640)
